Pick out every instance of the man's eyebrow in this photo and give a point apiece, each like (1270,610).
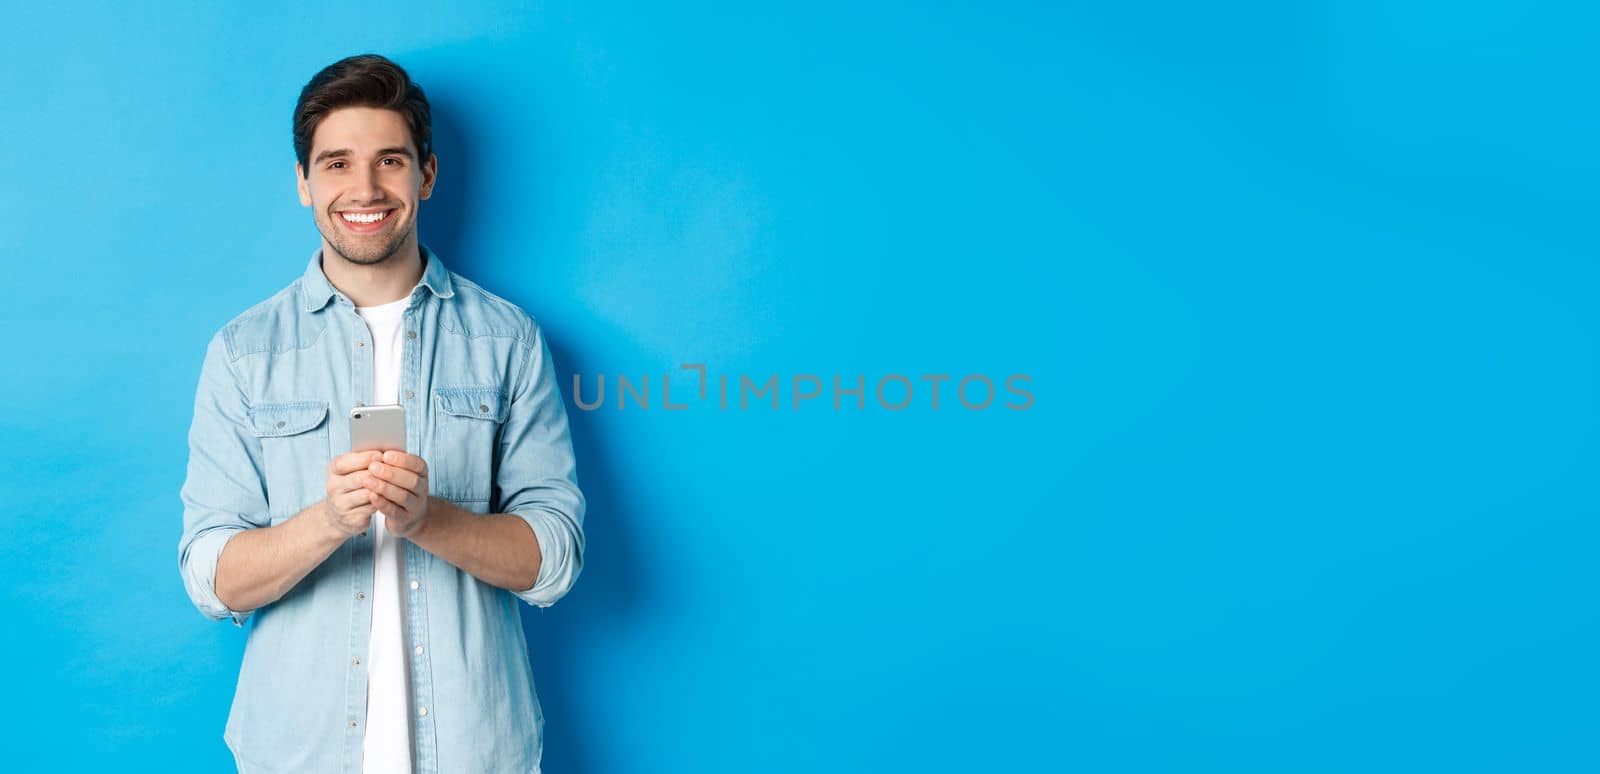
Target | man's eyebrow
(334,153)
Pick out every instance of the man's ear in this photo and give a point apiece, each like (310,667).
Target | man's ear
(430,173)
(300,183)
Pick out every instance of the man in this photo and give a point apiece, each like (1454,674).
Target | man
(383,585)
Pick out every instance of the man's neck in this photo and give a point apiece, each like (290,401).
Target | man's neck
(378,283)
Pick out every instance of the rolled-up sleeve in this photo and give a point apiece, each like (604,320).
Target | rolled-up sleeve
(537,478)
(222,492)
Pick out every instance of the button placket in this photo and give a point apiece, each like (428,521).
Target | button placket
(358,553)
(421,678)
(409,357)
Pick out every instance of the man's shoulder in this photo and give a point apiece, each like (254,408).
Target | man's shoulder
(478,312)
(273,324)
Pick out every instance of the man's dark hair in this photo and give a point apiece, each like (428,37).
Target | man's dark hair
(365,80)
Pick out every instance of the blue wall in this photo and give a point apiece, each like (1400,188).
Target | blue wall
(1305,292)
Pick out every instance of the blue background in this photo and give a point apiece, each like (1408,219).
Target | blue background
(1304,289)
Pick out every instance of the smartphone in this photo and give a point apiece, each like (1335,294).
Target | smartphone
(379,428)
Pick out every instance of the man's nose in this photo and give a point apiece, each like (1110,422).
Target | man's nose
(367,188)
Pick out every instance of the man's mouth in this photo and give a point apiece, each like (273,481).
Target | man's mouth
(365,221)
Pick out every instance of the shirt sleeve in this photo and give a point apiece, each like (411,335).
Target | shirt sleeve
(222,493)
(537,478)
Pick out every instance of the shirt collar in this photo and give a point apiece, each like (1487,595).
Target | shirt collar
(317,291)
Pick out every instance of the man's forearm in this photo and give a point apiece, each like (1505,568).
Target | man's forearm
(498,548)
(258,566)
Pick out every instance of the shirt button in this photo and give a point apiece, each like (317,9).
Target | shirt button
(352,723)
(411,334)
(363,533)
(423,711)
(410,395)
(361,343)
(419,650)
(356,661)
(361,595)
(281,424)
(415,585)
(483,407)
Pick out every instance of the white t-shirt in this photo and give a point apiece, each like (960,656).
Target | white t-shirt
(386,746)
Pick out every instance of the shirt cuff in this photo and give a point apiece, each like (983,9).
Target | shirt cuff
(201,575)
(557,559)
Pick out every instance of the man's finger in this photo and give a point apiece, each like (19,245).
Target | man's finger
(389,507)
(347,501)
(400,477)
(410,462)
(345,464)
(390,491)
(348,482)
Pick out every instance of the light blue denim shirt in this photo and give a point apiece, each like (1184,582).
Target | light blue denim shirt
(485,413)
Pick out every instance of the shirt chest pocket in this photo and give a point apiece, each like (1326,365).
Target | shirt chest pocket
(466,430)
(294,454)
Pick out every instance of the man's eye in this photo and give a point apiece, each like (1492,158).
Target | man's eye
(395,160)
(336,165)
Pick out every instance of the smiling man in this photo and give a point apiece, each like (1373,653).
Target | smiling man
(382,585)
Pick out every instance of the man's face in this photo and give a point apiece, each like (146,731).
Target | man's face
(363,166)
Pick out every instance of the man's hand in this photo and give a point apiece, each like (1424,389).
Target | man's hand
(397,484)
(348,506)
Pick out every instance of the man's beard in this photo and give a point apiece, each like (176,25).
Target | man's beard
(362,253)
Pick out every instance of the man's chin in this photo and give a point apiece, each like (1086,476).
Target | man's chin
(361,259)
(365,255)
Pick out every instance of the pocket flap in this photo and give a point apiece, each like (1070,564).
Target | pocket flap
(476,402)
(278,419)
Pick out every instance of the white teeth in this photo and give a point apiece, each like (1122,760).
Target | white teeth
(358,218)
